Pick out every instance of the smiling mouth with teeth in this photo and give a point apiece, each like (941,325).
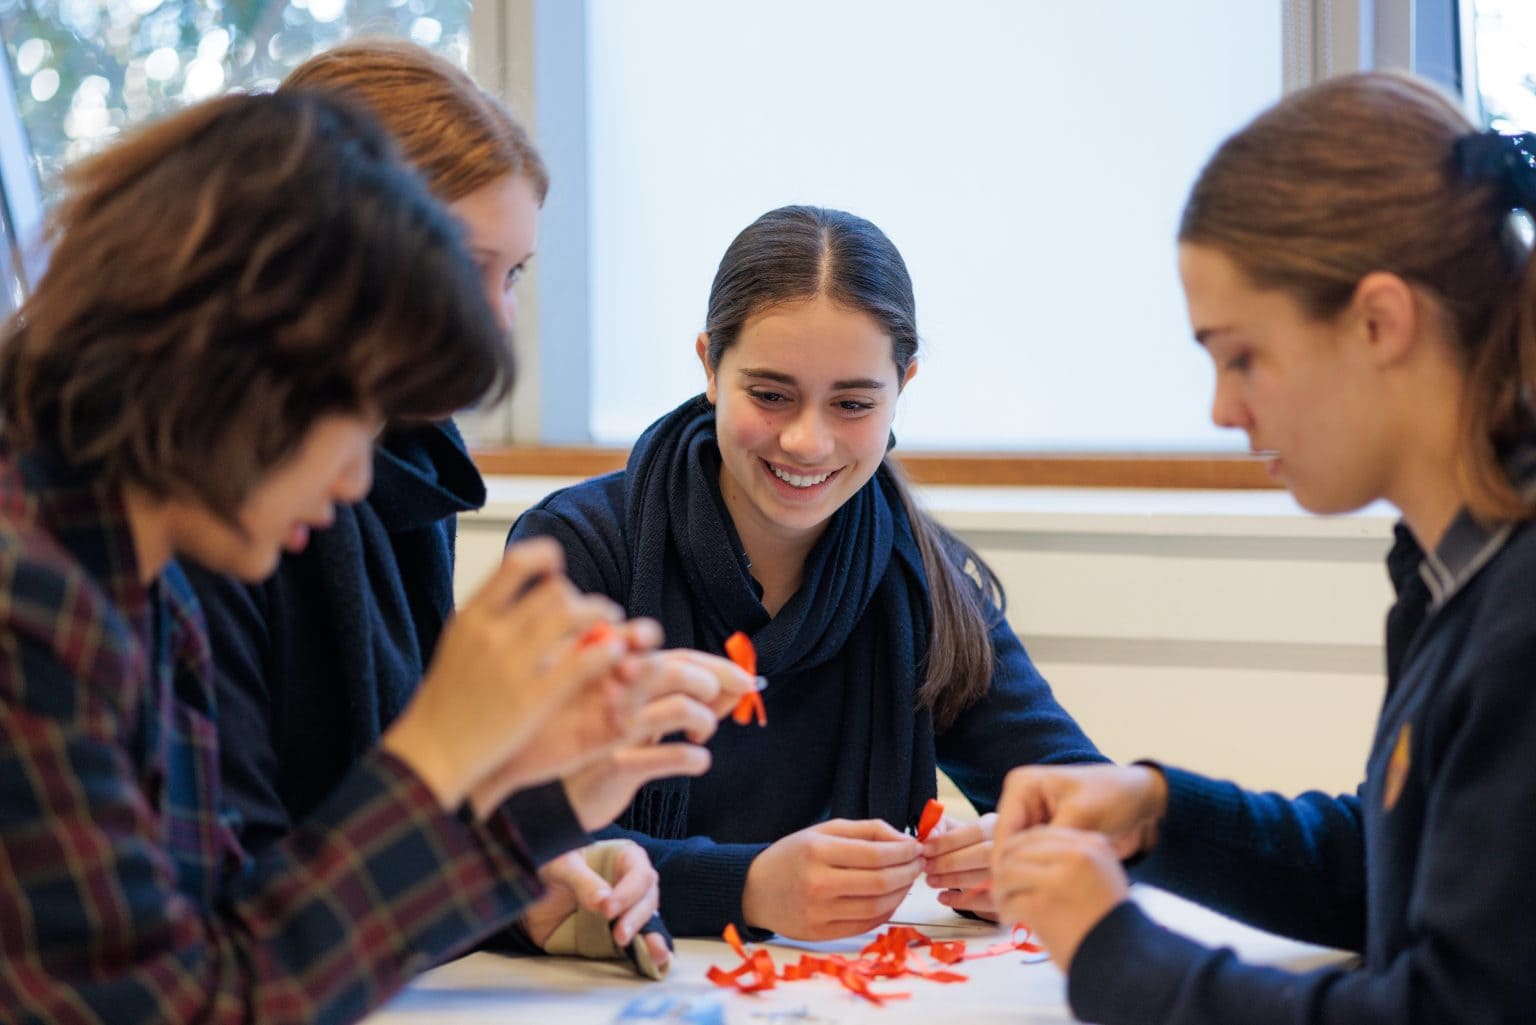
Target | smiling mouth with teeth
(796,480)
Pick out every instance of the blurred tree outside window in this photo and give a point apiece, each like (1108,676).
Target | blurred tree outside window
(86,69)
(1504,34)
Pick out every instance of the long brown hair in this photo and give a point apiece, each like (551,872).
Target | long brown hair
(225,277)
(1359,174)
(456,134)
(800,252)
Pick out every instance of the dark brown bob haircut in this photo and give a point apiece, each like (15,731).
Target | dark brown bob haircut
(229,275)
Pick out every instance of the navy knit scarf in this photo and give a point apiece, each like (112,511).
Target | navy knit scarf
(863,599)
(387,567)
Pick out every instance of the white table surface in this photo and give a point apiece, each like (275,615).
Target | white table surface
(489,989)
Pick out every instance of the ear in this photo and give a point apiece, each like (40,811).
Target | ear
(906,378)
(1387,311)
(711,386)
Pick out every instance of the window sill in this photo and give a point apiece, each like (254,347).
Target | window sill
(1001,469)
(1208,519)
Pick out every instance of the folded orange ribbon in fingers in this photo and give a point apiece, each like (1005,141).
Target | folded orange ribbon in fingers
(739,647)
(597,633)
(933,811)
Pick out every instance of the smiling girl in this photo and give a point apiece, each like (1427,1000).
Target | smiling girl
(768,505)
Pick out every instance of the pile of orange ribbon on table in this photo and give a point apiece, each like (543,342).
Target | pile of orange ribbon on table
(893,954)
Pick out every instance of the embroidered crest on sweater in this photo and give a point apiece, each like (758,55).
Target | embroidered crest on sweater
(1397,768)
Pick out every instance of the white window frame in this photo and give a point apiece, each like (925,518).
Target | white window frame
(21,203)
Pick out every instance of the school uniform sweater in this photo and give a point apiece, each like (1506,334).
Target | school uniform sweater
(315,662)
(1426,870)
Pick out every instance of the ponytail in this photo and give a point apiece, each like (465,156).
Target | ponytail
(1496,410)
(966,601)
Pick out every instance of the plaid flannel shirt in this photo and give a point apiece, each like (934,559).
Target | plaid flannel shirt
(124,895)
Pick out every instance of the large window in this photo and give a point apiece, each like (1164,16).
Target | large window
(1030,160)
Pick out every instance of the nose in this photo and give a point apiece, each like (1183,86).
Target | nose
(503,306)
(506,311)
(806,438)
(1227,407)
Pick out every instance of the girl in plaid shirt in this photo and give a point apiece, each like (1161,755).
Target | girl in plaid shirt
(239,298)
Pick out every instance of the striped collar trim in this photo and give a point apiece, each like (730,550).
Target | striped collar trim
(1465,549)
(1468,546)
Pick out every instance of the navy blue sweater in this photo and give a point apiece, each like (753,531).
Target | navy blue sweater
(765,784)
(1427,870)
(315,662)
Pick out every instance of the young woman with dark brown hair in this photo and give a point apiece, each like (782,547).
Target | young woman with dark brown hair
(768,505)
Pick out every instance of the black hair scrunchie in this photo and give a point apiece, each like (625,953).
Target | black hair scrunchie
(1509,161)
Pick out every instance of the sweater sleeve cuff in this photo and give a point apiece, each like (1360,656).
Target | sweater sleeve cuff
(1194,803)
(545,820)
(703,895)
(1128,968)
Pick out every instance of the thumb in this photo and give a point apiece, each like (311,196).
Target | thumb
(862,829)
(1091,817)
(1024,803)
(523,566)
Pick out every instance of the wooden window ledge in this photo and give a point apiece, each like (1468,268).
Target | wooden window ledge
(994,469)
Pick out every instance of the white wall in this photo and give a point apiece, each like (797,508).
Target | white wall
(1226,632)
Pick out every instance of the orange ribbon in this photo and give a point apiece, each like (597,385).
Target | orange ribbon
(892,954)
(739,647)
(933,811)
(598,633)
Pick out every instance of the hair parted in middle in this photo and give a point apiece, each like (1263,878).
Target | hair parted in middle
(797,253)
(454,132)
(226,276)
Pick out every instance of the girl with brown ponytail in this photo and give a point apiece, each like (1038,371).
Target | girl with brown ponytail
(768,505)
(1352,267)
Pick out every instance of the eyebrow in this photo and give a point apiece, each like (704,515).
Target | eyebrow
(492,251)
(866,383)
(1203,336)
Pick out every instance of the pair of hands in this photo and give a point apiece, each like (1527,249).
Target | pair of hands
(1050,857)
(629,902)
(1058,843)
(520,693)
(840,878)
(515,696)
